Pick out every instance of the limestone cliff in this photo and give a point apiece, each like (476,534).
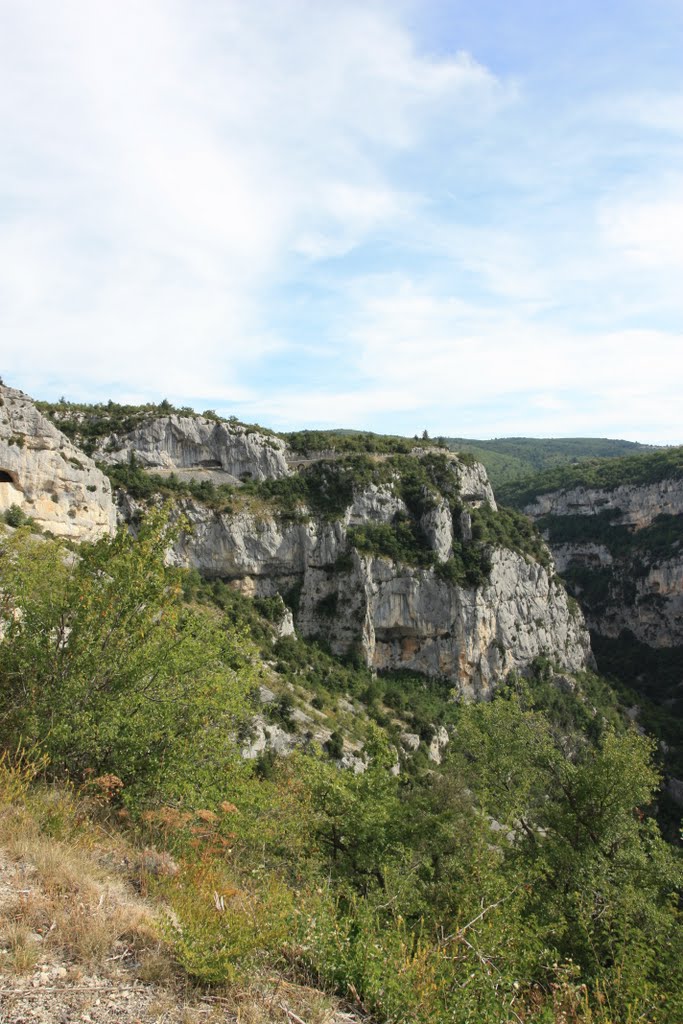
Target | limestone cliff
(408,618)
(441,599)
(394,614)
(193,446)
(621,551)
(633,504)
(49,479)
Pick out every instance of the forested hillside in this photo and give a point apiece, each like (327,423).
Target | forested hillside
(266,688)
(508,459)
(615,527)
(516,876)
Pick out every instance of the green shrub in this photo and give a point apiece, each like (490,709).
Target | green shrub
(107,671)
(15,516)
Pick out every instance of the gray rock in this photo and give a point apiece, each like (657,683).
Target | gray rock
(466,526)
(375,504)
(285,627)
(440,741)
(42,472)
(644,589)
(351,761)
(634,505)
(437,526)
(399,617)
(203,448)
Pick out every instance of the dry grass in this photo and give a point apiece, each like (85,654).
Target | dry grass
(70,905)
(61,901)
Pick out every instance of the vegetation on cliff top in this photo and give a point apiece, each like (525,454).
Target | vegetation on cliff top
(86,423)
(327,488)
(509,459)
(602,474)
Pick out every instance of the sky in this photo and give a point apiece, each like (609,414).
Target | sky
(459,216)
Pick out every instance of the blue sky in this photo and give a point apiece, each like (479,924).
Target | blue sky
(459,216)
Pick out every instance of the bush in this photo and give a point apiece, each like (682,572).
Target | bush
(15,516)
(106,671)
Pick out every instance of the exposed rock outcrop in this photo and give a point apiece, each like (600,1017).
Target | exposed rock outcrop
(437,526)
(375,504)
(49,479)
(193,446)
(396,616)
(408,618)
(475,488)
(635,505)
(621,551)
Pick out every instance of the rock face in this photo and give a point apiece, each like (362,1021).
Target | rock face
(437,525)
(193,446)
(407,618)
(394,616)
(621,551)
(634,505)
(375,504)
(47,477)
(474,484)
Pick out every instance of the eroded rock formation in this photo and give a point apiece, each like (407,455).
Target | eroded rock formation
(48,478)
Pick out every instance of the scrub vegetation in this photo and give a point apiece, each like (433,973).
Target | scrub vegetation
(524,878)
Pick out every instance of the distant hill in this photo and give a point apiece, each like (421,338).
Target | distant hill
(646,467)
(509,459)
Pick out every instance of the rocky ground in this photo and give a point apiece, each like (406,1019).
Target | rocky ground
(60,971)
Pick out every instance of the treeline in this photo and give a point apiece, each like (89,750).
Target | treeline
(509,459)
(606,474)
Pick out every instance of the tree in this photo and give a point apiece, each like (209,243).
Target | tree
(106,670)
(601,881)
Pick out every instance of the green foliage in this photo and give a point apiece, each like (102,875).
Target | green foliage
(335,746)
(15,516)
(420,700)
(602,880)
(654,542)
(508,528)
(524,875)
(607,474)
(106,670)
(312,666)
(511,459)
(649,677)
(402,541)
(348,442)
(468,566)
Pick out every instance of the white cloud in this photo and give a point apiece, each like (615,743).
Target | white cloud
(166,158)
(456,367)
(661,111)
(169,167)
(647,226)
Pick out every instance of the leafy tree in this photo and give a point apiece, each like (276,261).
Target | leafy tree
(105,668)
(601,882)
